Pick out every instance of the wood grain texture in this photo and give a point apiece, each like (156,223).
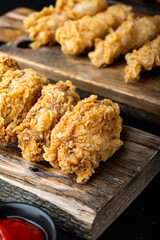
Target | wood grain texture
(89,209)
(11,24)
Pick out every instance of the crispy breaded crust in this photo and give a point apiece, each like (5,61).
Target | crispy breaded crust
(76,9)
(133,33)
(19,90)
(78,36)
(84,137)
(42,25)
(142,59)
(6,63)
(34,132)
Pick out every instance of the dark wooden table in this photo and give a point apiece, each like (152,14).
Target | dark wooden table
(141,220)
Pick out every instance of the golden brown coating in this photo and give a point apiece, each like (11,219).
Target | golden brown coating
(42,25)
(34,132)
(76,9)
(133,33)
(84,137)
(145,58)
(78,36)
(19,90)
(6,63)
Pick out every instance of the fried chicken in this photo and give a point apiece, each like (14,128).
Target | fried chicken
(78,36)
(133,33)
(34,132)
(19,90)
(145,58)
(84,137)
(6,63)
(42,25)
(76,9)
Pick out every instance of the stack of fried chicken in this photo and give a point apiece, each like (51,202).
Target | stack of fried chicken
(81,26)
(53,124)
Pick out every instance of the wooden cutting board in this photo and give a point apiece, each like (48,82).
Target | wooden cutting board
(141,99)
(86,210)
(11,24)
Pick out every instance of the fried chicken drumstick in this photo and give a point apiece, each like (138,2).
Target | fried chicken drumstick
(19,90)
(42,25)
(34,132)
(84,137)
(142,59)
(78,36)
(133,33)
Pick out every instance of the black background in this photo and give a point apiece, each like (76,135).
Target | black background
(141,220)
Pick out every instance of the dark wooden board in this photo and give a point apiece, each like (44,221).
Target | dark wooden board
(87,210)
(107,82)
(141,99)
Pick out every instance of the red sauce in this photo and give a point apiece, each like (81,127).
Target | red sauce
(18,229)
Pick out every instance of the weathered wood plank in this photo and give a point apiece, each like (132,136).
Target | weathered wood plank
(11,24)
(86,209)
(108,82)
(141,99)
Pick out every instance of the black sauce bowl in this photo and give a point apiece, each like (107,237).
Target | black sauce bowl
(31,214)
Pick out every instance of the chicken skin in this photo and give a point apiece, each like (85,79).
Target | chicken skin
(145,58)
(133,33)
(84,137)
(19,90)
(77,37)
(42,25)
(34,132)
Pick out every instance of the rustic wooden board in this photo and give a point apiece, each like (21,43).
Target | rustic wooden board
(141,99)
(11,24)
(107,82)
(87,210)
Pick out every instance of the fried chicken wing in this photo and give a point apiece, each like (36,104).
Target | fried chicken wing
(145,58)
(34,132)
(19,90)
(133,33)
(42,25)
(84,137)
(78,36)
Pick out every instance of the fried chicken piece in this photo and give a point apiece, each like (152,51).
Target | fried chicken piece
(84,137)
(34,132)
(76,9)
(133,33)
(42,25)
(19,90)
(142,59)
(6,63)
(78,36)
